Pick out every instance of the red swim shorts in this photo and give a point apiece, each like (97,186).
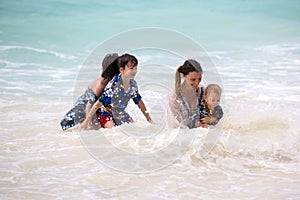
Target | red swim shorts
(103,120)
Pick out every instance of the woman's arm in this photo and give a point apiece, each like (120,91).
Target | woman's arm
(97,86)
(174,107)
(90,114)
(88,108)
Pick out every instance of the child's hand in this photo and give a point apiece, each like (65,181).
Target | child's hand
(199,124)
(206,120)
(149,118)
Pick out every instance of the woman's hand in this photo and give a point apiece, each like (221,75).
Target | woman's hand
(84,124)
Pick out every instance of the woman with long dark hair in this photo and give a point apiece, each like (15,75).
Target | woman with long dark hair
(84,103)
(188,92)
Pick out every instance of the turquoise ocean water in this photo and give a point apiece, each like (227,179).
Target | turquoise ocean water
(254,45)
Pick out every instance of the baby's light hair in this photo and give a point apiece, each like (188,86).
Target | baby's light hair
(213,88)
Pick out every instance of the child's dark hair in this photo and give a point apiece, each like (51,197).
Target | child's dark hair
(124,59)
(110,66)
(188,66)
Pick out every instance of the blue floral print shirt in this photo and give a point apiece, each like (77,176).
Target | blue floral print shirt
(115,99)
(217,112)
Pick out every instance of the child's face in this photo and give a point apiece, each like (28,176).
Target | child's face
(130,70)
(212,99)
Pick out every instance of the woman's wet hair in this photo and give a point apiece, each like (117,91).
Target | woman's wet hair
(188,66)
(110,66)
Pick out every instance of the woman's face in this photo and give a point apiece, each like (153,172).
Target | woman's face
(193,79)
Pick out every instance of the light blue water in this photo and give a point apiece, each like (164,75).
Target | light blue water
(255,46)
(81,25)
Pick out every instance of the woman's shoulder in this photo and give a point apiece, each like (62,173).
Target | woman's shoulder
(98,85)
(171,95)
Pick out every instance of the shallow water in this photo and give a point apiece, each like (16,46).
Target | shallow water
(253,153)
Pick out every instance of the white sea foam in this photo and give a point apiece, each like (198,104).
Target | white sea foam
(252,154)
(44,51)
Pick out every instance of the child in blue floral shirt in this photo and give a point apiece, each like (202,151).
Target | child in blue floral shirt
(111,105)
